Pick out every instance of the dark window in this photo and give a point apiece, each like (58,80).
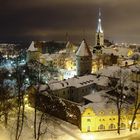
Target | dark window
(88,120)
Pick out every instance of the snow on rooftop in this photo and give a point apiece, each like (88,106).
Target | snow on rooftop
(119,51)
(95,96)
(31,47)
(135,68)
(100,105)
(78,82)
(115,70)
(84,50)
(109,71)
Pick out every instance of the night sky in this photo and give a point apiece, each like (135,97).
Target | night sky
(52,19)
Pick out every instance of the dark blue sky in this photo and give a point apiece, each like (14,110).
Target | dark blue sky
(51,19)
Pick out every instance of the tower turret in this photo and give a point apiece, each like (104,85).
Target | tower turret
(83,59)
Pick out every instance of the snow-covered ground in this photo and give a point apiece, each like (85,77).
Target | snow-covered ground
(57,130)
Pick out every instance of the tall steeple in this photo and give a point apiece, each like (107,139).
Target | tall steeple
(99,27)
(99,36)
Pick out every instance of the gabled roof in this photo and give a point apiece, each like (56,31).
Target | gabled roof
(31,47)
(83,50)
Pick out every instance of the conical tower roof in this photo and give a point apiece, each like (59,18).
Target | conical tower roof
(31,47)
(83,50)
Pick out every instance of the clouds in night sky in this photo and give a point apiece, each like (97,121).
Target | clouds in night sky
(51,19)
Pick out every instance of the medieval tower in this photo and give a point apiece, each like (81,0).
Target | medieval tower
(83,59)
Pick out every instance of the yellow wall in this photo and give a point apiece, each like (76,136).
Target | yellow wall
(91,122)
(88,120)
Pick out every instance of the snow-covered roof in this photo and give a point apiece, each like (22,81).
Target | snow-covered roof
(114,70)
(31,47)
(119,51)
(134,68)
(95,96)
(100,105)
(78,82)
(84,50)
(109,71)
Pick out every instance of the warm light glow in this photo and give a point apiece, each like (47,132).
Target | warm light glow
(25,99)
(87,136)
(69,65)
(65,74)
(130,52)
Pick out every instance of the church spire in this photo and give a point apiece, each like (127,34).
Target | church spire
(99,27)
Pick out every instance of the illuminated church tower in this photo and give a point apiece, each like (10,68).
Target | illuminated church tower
(99,36)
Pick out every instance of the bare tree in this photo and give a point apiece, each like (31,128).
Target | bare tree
(5,97)
(136,104)
(19,75)
(118,93)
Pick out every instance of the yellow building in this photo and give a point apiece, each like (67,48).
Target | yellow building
(92,122)
(98,115)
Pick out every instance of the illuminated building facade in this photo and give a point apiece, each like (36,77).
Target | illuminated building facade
(105,120)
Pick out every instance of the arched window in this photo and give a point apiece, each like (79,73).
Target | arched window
(123,126)
(112,126)
(101,127)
